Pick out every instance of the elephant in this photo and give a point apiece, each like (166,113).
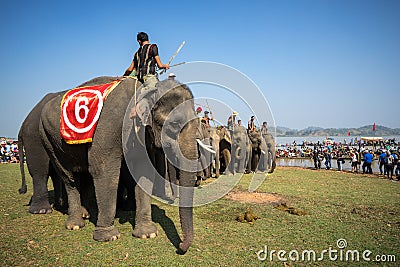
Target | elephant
(38,163)
(206,157)
(261,152)
(256,149)
(101,159)
(233,149)
(271,155)
(222,142)
(215,140)
(240,142)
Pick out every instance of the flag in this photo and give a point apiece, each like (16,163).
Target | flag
(348,134)
(374,127)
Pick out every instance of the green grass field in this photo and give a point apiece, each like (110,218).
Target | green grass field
(363,210)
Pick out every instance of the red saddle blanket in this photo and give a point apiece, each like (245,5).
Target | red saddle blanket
(80,111)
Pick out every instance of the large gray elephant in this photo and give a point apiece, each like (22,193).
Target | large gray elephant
(239,145)
(261,153)
(206,157)
(102,158)
(223,144)
(215,139)
(271,155)
(38,163)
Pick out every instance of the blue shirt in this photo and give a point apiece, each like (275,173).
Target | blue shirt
(382,157)
(368,158)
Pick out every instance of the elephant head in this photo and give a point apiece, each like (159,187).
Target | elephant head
(239,142)
(174,125)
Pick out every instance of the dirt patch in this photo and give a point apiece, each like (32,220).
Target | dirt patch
(256,198)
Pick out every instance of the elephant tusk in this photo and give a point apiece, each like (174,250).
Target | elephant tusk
(206,147)
(262,151)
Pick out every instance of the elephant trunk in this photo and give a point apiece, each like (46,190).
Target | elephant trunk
(187,179)
(186,218)
(240,153)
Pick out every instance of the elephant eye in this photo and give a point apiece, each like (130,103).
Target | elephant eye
(174,124)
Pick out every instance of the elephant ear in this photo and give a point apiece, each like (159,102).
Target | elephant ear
(227,138)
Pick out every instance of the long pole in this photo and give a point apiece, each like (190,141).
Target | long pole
(172,58)
(212,117)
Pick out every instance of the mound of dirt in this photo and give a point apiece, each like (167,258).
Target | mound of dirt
(256,198)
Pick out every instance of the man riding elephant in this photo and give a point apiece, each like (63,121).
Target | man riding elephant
(144,61)
(101,159)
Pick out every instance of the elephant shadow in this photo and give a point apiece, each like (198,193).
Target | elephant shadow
(158,216)
(123,214)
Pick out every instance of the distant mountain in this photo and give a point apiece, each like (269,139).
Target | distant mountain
(318,131)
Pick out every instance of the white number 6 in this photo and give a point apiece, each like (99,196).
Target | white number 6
(79,107)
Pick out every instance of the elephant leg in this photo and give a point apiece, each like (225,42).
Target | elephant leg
(75,220)
(255,162)
(39,170)
(106,187)
(217,164)
(40,199)
(241,165)
(144,226)
(227,158)
(60,194)
(204,167)
(160,164)
(126,187)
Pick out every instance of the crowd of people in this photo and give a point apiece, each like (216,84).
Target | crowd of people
(360,154)
(9,151)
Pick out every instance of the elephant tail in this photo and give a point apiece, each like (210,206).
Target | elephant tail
(23,188)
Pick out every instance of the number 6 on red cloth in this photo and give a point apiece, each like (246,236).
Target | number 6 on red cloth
(80,111)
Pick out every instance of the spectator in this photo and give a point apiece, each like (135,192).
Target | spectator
(317,161)
(328,159)
(339,161)
(354,161)
(381,161)
(368,158)
(389,165)
(358,155)
(397,172)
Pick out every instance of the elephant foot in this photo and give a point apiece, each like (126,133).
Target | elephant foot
(40,209)
(145,230)
(105,234)
(197,183)
(74,223)
(85,213)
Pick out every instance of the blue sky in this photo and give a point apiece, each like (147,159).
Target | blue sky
(318,63)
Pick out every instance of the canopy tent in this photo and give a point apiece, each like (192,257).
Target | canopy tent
(374,139)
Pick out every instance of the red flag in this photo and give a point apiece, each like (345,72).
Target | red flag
(348,134)
(374,127)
